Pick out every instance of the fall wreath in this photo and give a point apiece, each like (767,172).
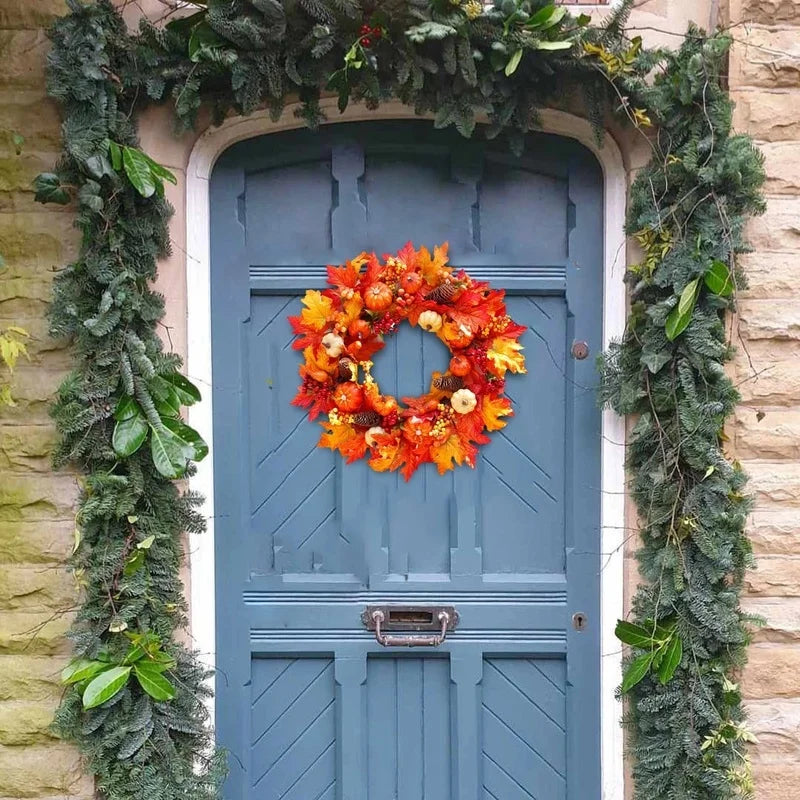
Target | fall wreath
(341,328)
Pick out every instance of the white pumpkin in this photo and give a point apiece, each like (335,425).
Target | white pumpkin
(372,433)
(430,321)
(463,401)
(333,344)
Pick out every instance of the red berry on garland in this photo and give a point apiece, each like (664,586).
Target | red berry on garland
(459,365)
(411,282)
(348,396)
(378,297)
(366,41)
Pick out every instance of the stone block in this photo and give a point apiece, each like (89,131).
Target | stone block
(31,498)
(24,54)
(17,172)
(38,241)
(776,781)
(782,165)
(772,670)
(41,770)
(766,12)
(25,677)
(766,58)
(768,116)
(37,588)
(775,576)
(770,275)
(774,483)
(26,448)
(781,615)
(771,375)
(775,529)
(779,227)
(24,723)
(776,725)
(36,541)
(35,14)
(776,435)
(34,115)
(33,390)
(769,319)
(39,633)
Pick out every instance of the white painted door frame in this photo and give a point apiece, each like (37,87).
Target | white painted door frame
(206,150)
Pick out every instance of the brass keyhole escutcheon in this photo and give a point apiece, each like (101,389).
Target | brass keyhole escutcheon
(580,621)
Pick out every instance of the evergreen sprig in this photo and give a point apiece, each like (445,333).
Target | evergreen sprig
(458,61)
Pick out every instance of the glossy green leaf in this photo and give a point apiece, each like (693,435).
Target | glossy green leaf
(546,17)
(559,45)
(719,279)
(680,316)
(126,408)
(168,404)
(188,393)
(672,658)
(81,669)
(134,563)
(171,454)
(636,670)
(152,680)
(105,686)
(137,168)
(634,635)
(115,151)
(513,62)
(187,434)
(129,435)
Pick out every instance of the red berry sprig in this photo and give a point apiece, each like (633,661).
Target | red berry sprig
(369,34)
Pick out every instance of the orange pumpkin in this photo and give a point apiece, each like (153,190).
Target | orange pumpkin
(411,282)
(348,397)
(378,297)
(359,329)
(457,336)
(459,365)
(384,404)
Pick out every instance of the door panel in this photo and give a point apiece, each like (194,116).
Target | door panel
(508,706)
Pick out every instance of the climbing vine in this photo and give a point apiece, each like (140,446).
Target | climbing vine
(134,701)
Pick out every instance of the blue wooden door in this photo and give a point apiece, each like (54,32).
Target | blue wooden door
(308,704)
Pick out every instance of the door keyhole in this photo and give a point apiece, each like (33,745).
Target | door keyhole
(580,621)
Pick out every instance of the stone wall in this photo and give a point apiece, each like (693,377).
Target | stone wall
(36,504)
(765,82)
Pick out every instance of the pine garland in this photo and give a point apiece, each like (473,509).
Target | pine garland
(687,209)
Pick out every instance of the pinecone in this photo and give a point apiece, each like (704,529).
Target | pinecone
(345,369)
(448,383)
(443,293)
(367,419)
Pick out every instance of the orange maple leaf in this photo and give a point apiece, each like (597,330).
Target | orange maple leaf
(345,276)
(453,450)
(318,310)
(505,355)
(492,408)
(387,455)
(433,267)
(349,441)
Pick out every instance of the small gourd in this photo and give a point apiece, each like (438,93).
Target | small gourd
(430,321)
(348,397)
(463,401)
(378,297)
(333,344)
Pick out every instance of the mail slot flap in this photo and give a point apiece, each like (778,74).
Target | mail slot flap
(410,618)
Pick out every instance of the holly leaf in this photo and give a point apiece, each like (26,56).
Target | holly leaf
(492,409)
(105,686)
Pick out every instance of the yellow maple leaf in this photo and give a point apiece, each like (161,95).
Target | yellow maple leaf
(506,354)
(449,451)
(433,267)
(351,310)
(388,456)
(317,311)
(494,408)
(344,438)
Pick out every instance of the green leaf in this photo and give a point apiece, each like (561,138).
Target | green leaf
(80,669)
(634,635)
(133,564)
(48,189)
(636,670)
(188,393)
(152,681)
(203,40)
(559,45)
(137,168)
(719,279)
(171,455)
(672,658)
(129,435)
(160,171)
(115,151)
(126,408)
(680,316)
(583,20)
(513,62)
(168,404)
(105,686)
(546,17)
(146,544)
(188,435)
